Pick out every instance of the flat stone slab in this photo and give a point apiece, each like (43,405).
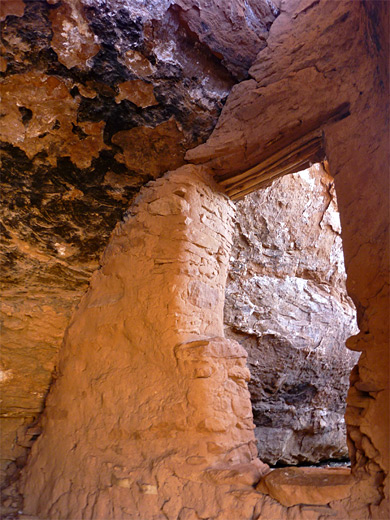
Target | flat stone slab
(317,486)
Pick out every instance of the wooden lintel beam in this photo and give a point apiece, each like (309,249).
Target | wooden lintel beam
(297,156)
(240,194)
(292,157)
(276,158)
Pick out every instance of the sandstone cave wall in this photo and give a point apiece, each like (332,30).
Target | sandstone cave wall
(173,435)
(98,98)
(319,56)
(324,76)
(287,304)
(188,451)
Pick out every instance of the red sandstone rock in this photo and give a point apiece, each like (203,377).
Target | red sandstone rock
(244,22)
(11,7)
(296,89)
(165,142)
(73,40)
(51,125)
(63,198)
(164,341)
(342,60)
(138,92)
(319,486)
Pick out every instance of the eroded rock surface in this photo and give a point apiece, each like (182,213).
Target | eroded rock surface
(324,74)
(86,87)
(146,347)
(98,98)
(320,56)
(286,303)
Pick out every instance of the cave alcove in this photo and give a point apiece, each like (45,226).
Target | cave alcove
(126,129)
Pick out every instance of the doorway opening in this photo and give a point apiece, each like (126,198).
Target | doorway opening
(287,304)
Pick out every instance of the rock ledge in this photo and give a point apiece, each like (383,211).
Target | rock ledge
(317,486)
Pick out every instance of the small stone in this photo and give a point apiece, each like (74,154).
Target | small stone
(195,460)
(148,489)
(11,7)
(247,474)
(317,486)
(122,482)
(137,63)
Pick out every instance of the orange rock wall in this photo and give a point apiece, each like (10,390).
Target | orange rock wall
(361,167)
(113,446)
(150,415)
(149,395)
(97,98)
(319,56)
(31,334)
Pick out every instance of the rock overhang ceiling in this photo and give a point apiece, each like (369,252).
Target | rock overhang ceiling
(99,97)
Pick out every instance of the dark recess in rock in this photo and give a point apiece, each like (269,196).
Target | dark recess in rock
(113,27)
(33,196)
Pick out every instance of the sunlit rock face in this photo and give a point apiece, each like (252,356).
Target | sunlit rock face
(287,304)
(146,348)
(98,98)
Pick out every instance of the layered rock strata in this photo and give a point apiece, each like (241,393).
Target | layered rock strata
(286,303)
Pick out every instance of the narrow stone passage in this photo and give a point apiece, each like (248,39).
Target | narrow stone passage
(287,305)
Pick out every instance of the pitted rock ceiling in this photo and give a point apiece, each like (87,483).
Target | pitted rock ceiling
(99,98)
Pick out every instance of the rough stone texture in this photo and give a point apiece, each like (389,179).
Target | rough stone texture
(11,7)
(237,33)
(286,303)
(146,348)
(183,456)
(32,330)
(69,107)
(317,486)
(320,56)
(98,98)
(341,57)
(88,85)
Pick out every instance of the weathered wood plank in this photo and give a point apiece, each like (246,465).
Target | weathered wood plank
(298,155)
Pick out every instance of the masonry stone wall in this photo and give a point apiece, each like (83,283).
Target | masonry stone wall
(150,405)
